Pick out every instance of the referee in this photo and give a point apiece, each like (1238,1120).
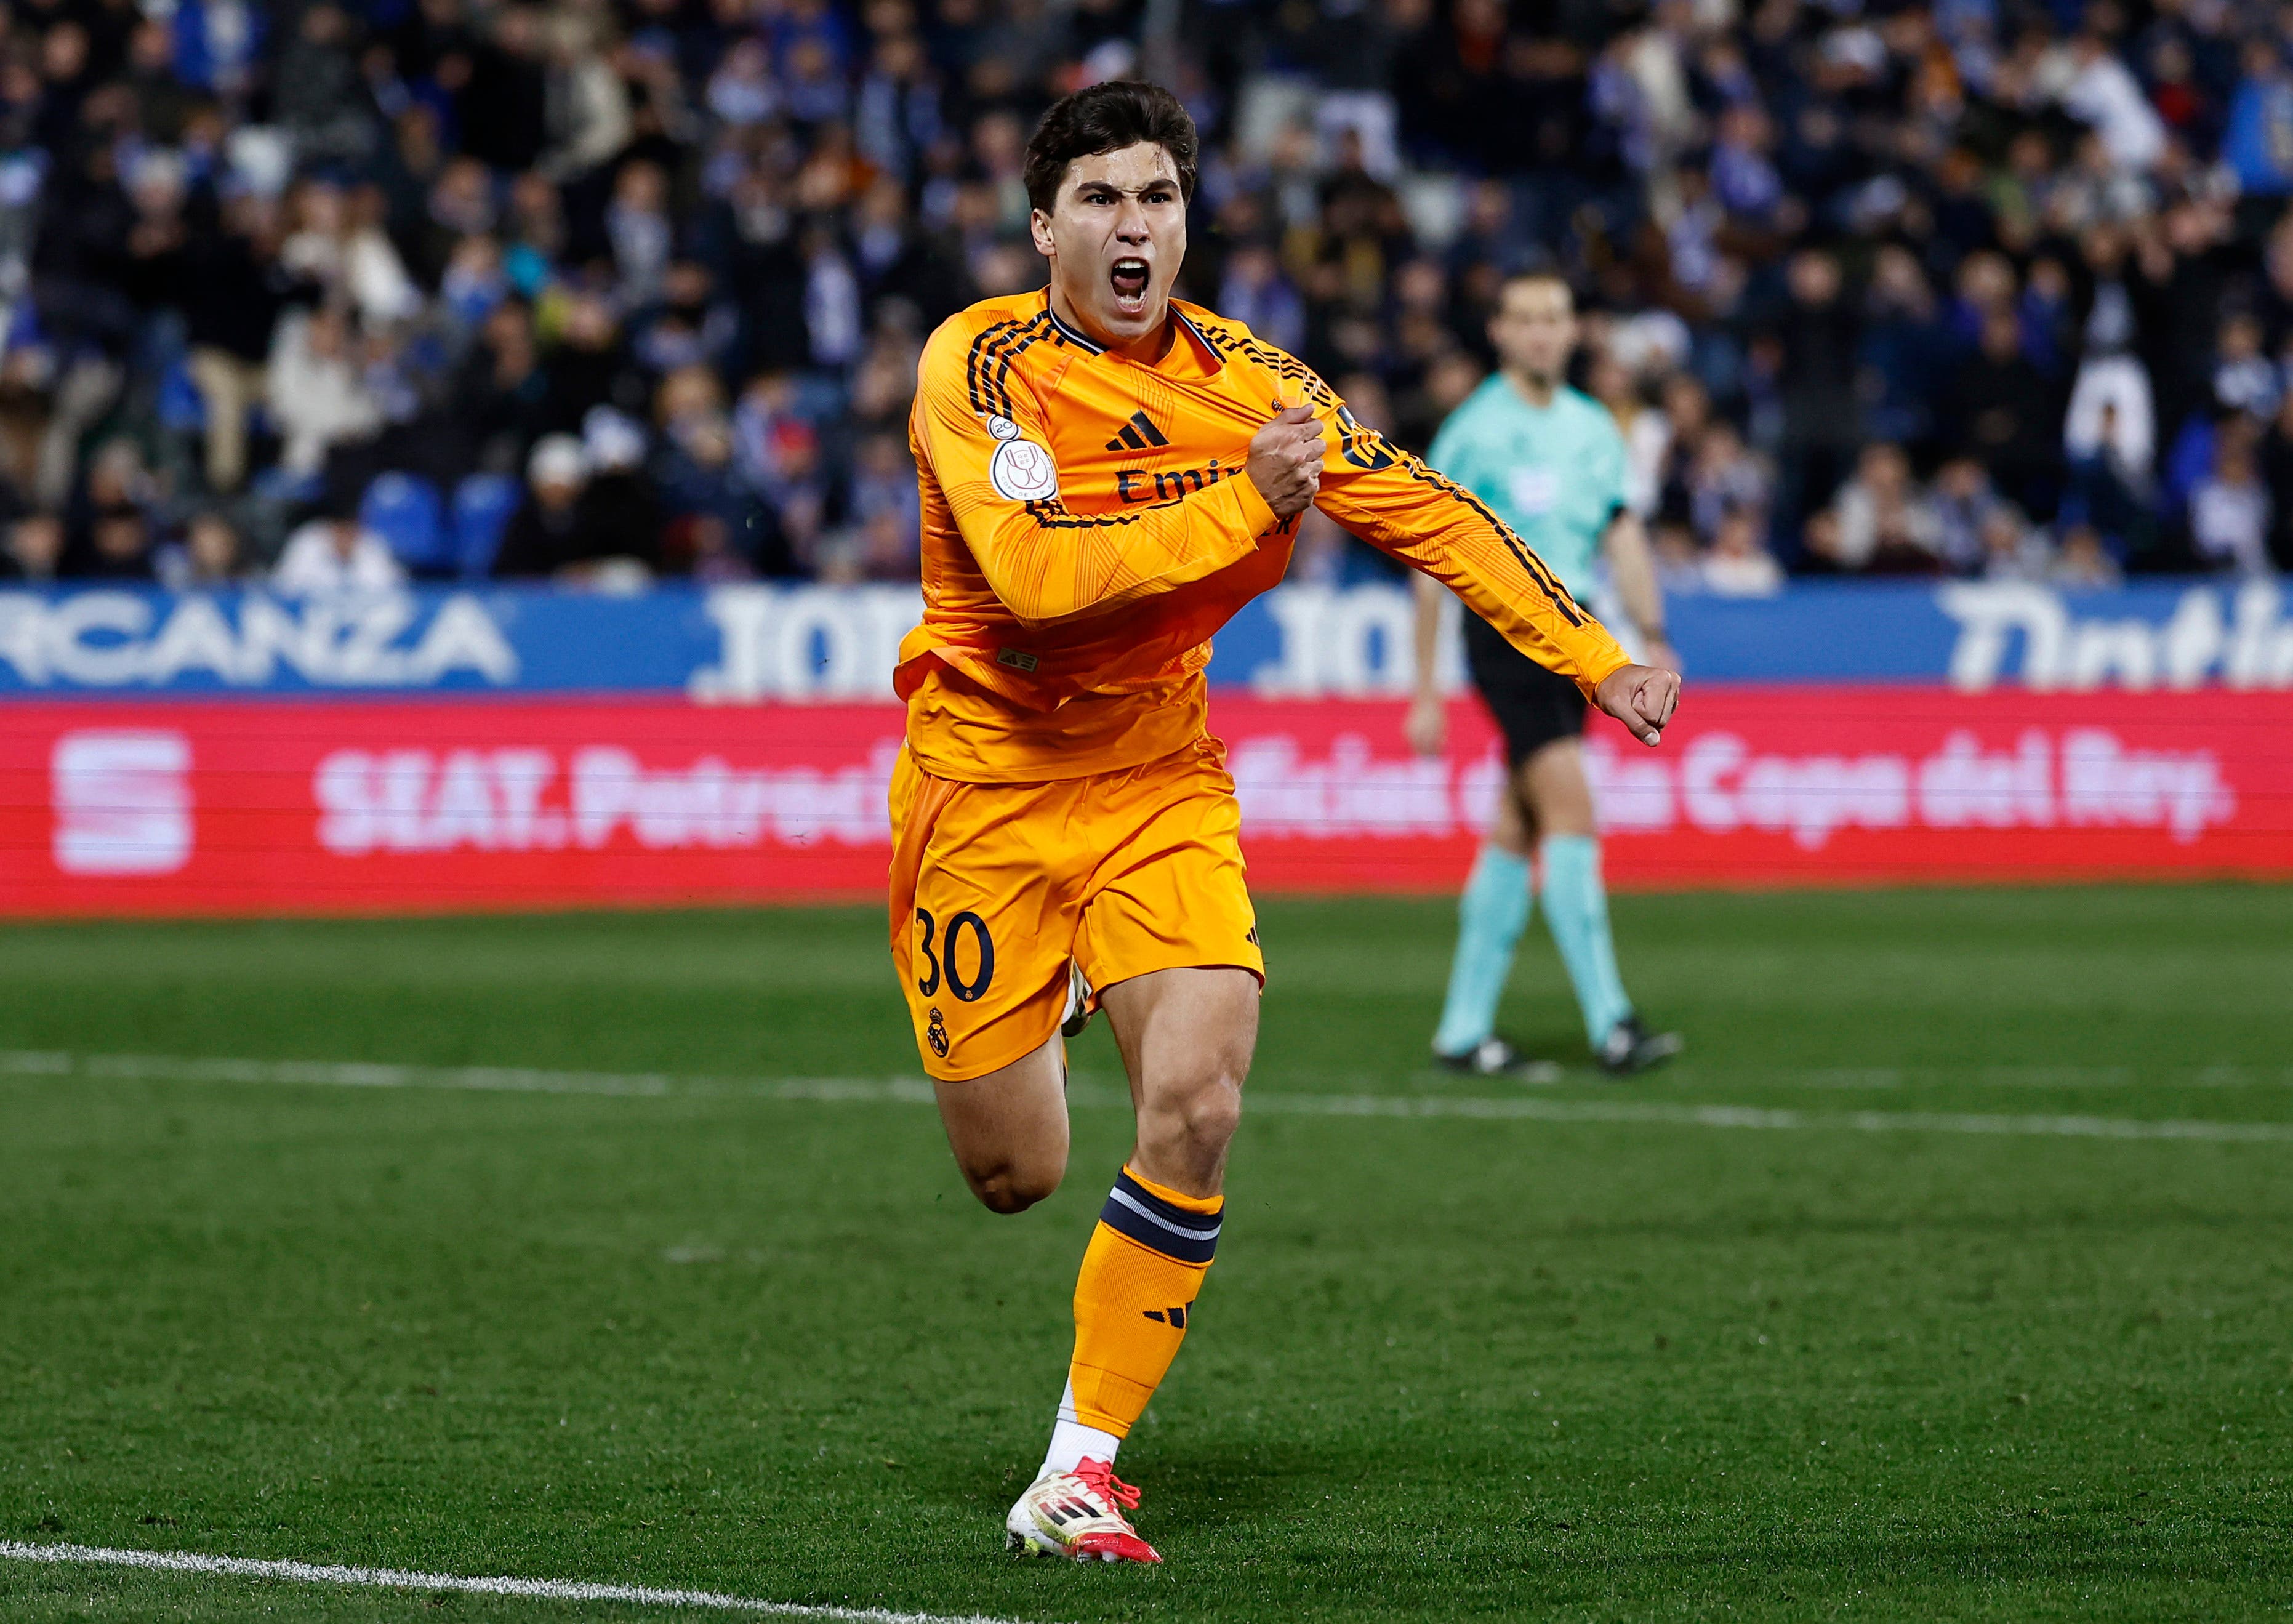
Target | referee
(1549,461)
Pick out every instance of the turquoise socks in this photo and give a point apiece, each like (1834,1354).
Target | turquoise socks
(1494,912)
(1576,912)
(1491,915)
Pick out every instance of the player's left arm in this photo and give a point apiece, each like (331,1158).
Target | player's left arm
(1399,506)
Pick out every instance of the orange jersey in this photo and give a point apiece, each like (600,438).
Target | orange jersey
(1088,526)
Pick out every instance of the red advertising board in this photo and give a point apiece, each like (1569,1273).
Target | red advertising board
(252,807)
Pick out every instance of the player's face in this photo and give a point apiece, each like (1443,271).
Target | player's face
(1114,239)
(1535,330)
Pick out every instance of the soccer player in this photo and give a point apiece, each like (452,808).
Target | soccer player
(1549,461)
(1107,474)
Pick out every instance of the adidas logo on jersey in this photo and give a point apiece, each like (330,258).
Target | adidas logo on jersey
(1138,434)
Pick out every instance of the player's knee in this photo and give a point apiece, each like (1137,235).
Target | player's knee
(1209,1113)
(1013,1187)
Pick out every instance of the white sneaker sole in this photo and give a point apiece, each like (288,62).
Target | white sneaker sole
(1035,1545)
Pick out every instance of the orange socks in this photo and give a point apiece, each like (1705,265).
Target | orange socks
(1145,1263)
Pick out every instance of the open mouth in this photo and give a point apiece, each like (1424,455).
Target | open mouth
(1128,277)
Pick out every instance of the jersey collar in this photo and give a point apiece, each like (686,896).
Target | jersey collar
(1073,334)
(1211,356)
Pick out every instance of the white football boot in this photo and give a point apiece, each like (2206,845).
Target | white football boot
(1076,1015)
(1078,1514)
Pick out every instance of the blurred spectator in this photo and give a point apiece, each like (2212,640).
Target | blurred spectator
(319,103)
(2277,466)
(1724,478)
(1821,415)
(1255,292)
(1738,564)
(2084,561)
(2108,490)
(318,393)
(639,226)
(283,249)
(1965,504)
(884,510)
(2256,145)
(502,104)
(208,556)
(690,326)
(2004,415)
(544,534)
(35,549)
(1903,349)
(1886,524)
(590,365)
(2103,93)
(1648,432)
(619,508)
(234,288)
(336,241)
(588,517)
(335,554)
(2230,510)
(501,393)
(2110,408)
(718,529)
(2244,379)
(2015,549)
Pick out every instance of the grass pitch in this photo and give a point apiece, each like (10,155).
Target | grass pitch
(708,1334)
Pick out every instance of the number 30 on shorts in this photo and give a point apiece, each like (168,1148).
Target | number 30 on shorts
(953,950)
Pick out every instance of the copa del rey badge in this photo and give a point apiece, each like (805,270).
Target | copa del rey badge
(1020,469)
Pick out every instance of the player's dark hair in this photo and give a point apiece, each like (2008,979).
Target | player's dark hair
(1107,117)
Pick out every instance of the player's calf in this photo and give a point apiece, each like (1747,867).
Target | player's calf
(1184,1129)
(1186,1037)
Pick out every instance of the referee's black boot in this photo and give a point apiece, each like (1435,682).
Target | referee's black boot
(1631,1047)
(1493,1057)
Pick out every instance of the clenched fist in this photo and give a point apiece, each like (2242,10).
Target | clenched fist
(1642,697)
(1286,460)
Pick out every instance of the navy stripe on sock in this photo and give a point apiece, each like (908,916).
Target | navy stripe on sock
(1134,1211)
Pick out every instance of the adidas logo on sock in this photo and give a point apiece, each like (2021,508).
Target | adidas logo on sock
(1138,434)
(1169,1316)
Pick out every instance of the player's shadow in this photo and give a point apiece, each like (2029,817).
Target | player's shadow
(1201,1485)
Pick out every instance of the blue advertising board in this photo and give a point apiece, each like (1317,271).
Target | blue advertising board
(762,642)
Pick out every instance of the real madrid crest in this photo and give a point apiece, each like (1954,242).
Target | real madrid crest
(1020,470)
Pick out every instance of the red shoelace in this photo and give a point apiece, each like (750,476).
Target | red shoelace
(1099,1476)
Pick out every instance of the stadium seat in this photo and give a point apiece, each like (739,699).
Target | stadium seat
(482,505)
(404,510)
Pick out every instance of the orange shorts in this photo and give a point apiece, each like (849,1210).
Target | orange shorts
(996,886)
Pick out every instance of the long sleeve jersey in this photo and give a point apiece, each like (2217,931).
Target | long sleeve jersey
(1087,527)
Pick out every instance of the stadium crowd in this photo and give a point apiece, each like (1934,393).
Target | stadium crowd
(606,289)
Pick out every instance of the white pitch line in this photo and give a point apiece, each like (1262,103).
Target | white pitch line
(1759,1116)
(396,1579)
(328,1074)
(915,1091)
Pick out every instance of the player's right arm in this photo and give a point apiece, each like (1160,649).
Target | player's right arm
(987,444)
(1398,505)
